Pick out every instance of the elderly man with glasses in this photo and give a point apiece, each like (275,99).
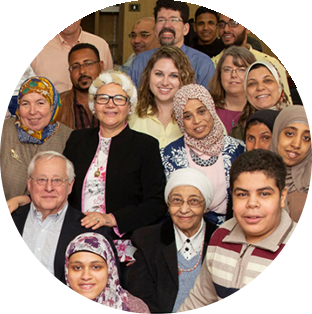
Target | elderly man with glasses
(48,53)
(49,223)
(142,38)
(84,67)
(234,34)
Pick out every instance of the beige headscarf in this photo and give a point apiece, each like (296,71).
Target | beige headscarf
(298,177)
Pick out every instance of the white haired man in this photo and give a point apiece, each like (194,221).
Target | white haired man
(48,53)
(49,223)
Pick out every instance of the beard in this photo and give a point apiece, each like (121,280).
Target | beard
(239,40)
(166,41)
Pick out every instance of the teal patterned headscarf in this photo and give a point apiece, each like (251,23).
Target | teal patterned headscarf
(43,86)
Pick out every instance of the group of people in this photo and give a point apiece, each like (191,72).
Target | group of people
(165,189)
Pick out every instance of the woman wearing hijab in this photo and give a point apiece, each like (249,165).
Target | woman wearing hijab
(203,145)
(90,270)
(292,141)
(264,90)
(34,129)
(170,254)
(259,128)
(308,91)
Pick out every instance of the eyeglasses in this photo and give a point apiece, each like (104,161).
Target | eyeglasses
(71,10)
(191,202)
(229,71)
(44,181)
(118,100)
(143,35)
(231,24)
(77,66)
(172,20)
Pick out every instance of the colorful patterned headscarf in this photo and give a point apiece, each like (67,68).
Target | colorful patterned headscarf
(113,295)
(42,86)
(213,143)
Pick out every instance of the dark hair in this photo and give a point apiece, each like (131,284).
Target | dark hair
(84,46)
(271,164)
(182,7)
(12,36)
(202,10)
(236,3)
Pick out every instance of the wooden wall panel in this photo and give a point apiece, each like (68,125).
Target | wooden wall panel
(276,31)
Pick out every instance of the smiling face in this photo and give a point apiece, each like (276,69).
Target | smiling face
(67,24)
(164,81)
(206,28)
(262,89)
(294,143)
(169,33)
(87,274)
(232,81)
(197,120)
(83,77)
(257,204)
(147,41)
(112,118)
(35,111)
(186,218)
(258,136)
(49,199)
(232,36)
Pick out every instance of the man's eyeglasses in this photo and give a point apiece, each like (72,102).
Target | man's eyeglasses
(232,24)
(229,71)
(191,202)
(118,100)
(54,182)
(76,66)
(71,10)
(143,35)
(172,20)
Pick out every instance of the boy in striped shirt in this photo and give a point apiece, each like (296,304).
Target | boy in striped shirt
(242,247)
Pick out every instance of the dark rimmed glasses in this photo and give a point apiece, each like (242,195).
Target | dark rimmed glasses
(118,100)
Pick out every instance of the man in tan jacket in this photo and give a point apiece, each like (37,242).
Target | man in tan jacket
(84,67)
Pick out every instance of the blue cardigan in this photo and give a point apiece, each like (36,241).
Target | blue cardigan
(174,156)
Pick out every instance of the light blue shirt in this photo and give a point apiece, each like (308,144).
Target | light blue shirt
(200,62)
(34,280)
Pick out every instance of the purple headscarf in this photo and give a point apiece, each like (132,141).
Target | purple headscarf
(113,299)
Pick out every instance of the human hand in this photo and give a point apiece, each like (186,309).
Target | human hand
(96,220)
(17,201)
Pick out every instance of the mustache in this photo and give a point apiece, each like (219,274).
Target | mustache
(85,76)
(167,30)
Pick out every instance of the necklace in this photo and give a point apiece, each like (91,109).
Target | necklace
(104,146)
(233,123)
(202,162)
(199,258)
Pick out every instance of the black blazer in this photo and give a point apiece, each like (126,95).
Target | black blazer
(70,229)
(135,179)
(154,276)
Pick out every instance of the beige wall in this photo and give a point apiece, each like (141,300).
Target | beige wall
(275,31)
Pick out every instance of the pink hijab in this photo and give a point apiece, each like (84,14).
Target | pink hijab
(213,143)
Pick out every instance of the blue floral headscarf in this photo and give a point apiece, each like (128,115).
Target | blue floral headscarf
(113,294)
(43,86)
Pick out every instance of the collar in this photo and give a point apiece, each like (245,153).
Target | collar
(63,41)
(37,214)
(271,243)
(195,240)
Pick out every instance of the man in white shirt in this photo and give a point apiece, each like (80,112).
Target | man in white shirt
(49,223)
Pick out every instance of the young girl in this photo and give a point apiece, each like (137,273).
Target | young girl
(14,68)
